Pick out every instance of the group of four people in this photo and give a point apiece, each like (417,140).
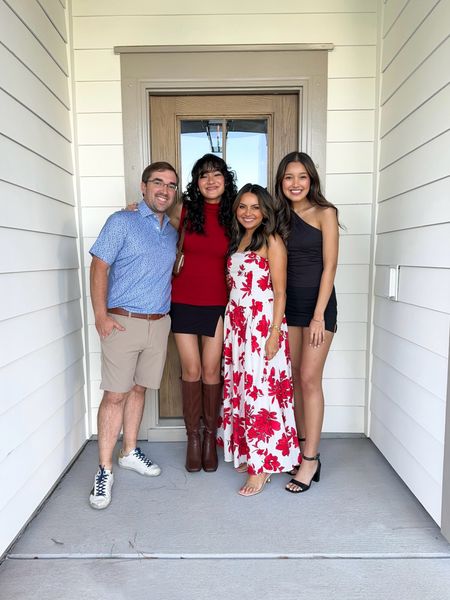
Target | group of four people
(257,287)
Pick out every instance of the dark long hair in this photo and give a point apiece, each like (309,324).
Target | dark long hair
(194,201)
(315,196)
(268,226)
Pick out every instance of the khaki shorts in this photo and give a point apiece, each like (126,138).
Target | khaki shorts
(136,355)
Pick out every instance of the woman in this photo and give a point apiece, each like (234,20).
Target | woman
(257,424)
(311,309)
(199,297)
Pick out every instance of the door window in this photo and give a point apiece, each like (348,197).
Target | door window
(242,143)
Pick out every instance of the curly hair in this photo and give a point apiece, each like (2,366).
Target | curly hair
(268,227)
(194,201)
(315,196)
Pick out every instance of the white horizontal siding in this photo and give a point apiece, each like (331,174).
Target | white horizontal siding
(48,286)
(407,49)
(42,176)
(56,14)
(426,81)
(40,366)
(98,96)
(408,172)
(103,191)
(35,409)
(351,94)
(392,11)
(410,342)
(30,453)
(23,85)
(106,32)
(350,126)
(103,161)
(352,307)
(426,368)
(417,477)
(41,360)
(352,61)
(349,188)
(101,129)
(16,36)
(426,205)
(433,291)
(42,28)
(96,65)
(354,249)
(36,251)
(20,124)
(350,157)
(40,481)
(24,209)
(421,246)
(32,331)
(427,122)
(426,409)
(397,318)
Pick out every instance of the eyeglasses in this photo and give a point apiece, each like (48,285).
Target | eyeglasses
(158,183)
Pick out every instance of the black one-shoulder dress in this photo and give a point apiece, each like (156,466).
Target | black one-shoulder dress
(304,271)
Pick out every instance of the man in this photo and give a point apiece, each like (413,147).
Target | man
(130,290)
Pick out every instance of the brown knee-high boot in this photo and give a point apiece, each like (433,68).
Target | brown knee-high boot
(212,397)
(192,408)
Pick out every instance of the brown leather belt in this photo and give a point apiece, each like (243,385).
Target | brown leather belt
(127,313)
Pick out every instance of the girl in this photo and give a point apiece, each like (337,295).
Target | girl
(311,310)
(199,296)
(257,425)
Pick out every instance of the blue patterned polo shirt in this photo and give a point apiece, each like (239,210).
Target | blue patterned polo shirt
(141,253)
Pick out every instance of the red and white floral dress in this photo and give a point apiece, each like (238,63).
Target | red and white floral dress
(256,423)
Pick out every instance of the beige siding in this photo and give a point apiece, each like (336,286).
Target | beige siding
(349,24)
(42,409)
(410,347)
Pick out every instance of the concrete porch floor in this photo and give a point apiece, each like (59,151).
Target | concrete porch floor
(359,533)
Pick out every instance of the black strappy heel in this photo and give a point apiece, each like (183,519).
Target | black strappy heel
(304,487)
(294,470)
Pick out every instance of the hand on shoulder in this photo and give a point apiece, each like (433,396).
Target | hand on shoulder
(132,206)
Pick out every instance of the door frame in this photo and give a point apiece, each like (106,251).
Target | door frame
(184,70)
(181,70)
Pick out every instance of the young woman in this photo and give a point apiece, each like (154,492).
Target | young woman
(257,424)
(199,297)
(311,310)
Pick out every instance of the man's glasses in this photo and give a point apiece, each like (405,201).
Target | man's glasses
(158,183)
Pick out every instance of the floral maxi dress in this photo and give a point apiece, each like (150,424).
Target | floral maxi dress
(256,423)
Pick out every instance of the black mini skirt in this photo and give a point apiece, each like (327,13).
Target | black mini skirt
(300,306)
(199,320)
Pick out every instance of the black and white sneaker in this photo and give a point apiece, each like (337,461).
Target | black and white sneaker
(101,492)
(137,461)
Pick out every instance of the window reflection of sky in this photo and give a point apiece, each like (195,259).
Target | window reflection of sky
(246,154)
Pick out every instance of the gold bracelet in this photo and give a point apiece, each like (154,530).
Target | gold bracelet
(276,328)
(318,320)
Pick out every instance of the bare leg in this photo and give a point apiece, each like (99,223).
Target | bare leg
(188,350)
(132,417)
(295,345)
(109,421)
(312,364)
(212,348)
